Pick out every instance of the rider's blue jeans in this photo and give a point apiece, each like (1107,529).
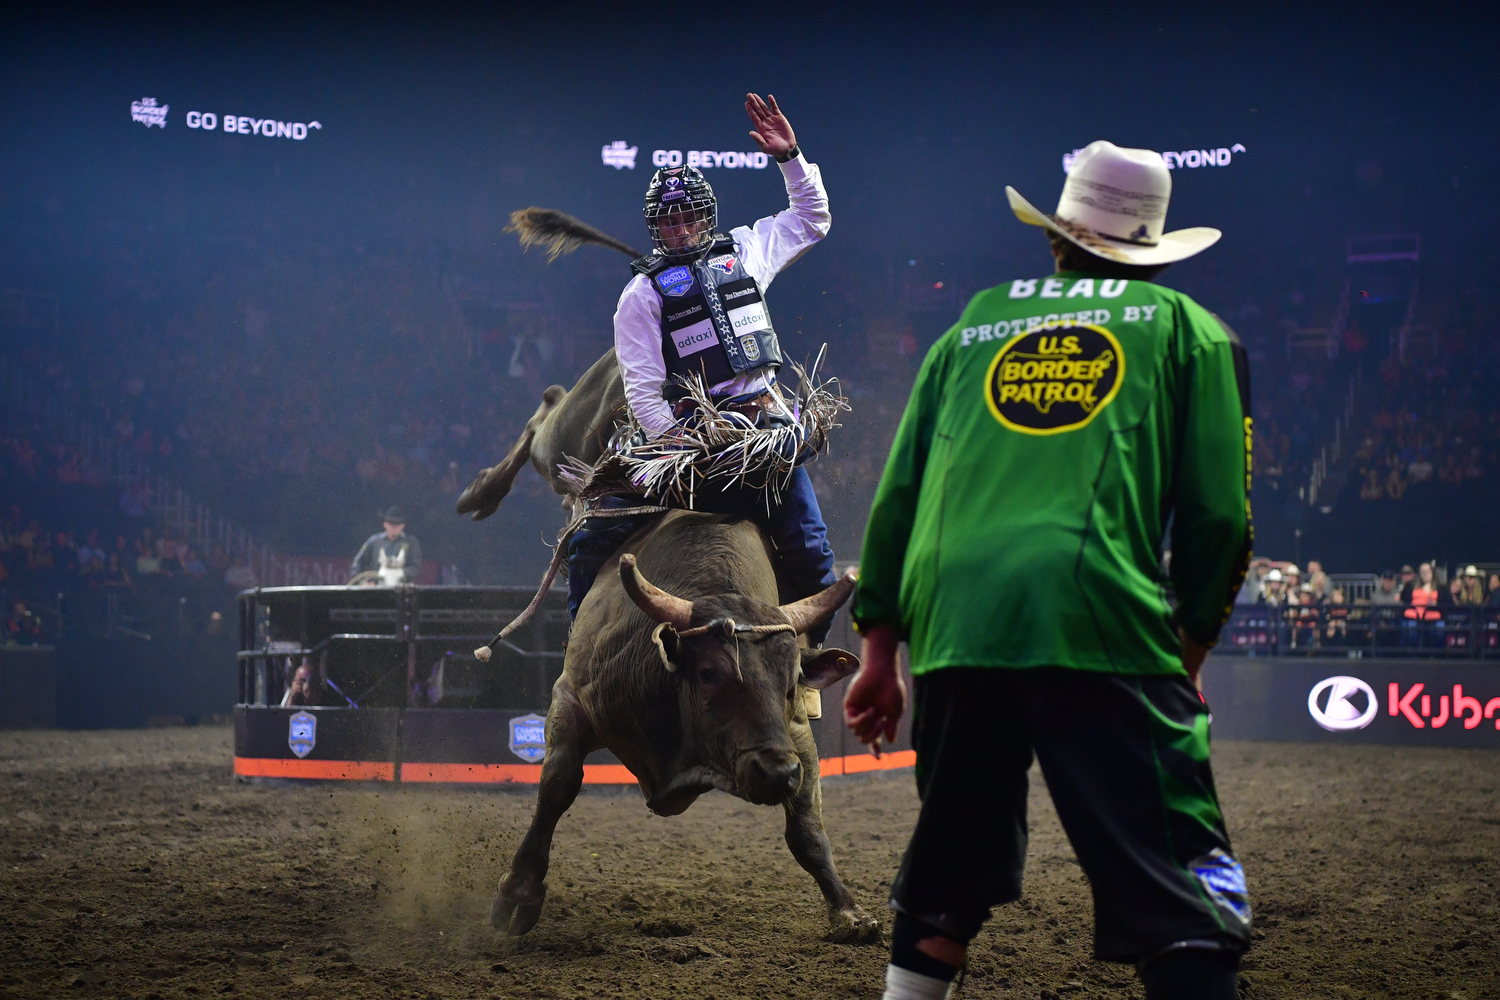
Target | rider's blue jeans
(798,533)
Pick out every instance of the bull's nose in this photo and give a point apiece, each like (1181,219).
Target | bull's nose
(773,780)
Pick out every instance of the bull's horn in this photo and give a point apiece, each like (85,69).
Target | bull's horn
(810,612)
(651,599)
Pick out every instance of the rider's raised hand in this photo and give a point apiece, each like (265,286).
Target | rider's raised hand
(772,132)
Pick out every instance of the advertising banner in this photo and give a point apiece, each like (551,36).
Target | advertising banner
(1332,700)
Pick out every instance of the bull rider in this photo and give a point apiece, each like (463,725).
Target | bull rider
(696,306)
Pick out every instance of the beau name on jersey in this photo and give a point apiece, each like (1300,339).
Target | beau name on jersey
(1053,288)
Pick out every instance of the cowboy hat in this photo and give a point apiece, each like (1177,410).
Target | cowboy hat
(395,515)
(1114,205)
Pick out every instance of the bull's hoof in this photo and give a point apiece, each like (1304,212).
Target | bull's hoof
(476,499)
(852,926)
(517,908)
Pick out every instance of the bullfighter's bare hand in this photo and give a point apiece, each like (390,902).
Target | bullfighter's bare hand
(876,698)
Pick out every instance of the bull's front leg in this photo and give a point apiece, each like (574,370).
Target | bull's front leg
(518,901)
(809,845)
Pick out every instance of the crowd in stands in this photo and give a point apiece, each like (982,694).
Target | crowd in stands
(387,365)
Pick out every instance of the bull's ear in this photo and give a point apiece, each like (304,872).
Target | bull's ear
(823,667)
(664,638)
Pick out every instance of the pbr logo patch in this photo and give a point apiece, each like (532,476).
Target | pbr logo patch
(302,733)
(528,737)
(751,348)
(675,281)
(1049,382)
(723,262)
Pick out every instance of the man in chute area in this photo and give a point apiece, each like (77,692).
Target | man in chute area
(696,307)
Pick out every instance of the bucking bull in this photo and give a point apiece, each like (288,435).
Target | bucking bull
(681,663)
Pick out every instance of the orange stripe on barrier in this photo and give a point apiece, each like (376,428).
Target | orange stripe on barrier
(859,763)
(520,774)
(325,770)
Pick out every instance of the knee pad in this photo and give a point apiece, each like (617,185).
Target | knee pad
(905,954)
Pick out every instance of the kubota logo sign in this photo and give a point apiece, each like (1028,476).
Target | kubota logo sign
(1341,704)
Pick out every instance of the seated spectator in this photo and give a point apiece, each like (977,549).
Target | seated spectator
(1494,590)
(1291,587)
(91,557)
(1250,590)
(1408,580)
(147,562)
(23,628)
(1318,580)
(189,563)
(1453,596)
(115,575)
(1471,592)
(1338,615)
(239,576)
(1386,592)
(1424,597)
(1271,590)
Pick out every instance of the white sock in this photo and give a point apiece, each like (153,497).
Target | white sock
(904,984)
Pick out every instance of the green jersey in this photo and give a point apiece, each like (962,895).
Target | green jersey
(1051,436)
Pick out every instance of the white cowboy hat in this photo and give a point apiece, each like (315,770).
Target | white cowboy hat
(1114,205)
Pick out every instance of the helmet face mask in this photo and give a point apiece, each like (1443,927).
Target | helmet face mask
(681,213)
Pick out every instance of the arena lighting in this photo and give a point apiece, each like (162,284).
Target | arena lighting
(1189,158)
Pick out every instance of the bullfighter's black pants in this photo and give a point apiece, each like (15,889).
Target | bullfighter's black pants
(1126,762)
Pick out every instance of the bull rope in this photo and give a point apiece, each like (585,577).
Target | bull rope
(483,653)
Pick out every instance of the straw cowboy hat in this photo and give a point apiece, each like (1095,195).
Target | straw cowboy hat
(1114,205)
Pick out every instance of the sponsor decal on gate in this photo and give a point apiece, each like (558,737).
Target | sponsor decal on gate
(528,737)
(1337,713)
(1053,382)
(302,733)
(675,281)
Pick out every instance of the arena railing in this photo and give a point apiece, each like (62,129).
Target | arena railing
(1360,630)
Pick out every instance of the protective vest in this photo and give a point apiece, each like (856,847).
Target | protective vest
(714,320)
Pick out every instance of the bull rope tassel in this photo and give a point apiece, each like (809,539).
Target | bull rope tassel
(483,653)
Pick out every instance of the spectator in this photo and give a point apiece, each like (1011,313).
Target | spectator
(115,574)
(147,562)
(303,689)
(91,557)
(1424,597)
(23,628)
(1386,592)
(1322,587)
(1493,597)
(1338,615)
(1291,587)
(1471,592)
(1453,596)
(1408,580)
(239,576)
(1271,591)
(191,566)
(1251,589)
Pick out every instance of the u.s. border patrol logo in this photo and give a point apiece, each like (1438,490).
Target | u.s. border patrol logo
(751,348)
(302,733)
(675,281)
(528,737)
(724,262)
(1052,381)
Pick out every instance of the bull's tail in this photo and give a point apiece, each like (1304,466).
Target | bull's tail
(482,497)
(560,232)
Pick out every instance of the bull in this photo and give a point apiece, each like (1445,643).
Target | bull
(681,662)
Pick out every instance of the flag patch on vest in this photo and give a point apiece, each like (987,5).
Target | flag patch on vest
(675,281)
(723,262)
(1052,382)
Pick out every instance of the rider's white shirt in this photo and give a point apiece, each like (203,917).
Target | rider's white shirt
(765,249)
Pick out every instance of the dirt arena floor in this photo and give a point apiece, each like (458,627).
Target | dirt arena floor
(133,865)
